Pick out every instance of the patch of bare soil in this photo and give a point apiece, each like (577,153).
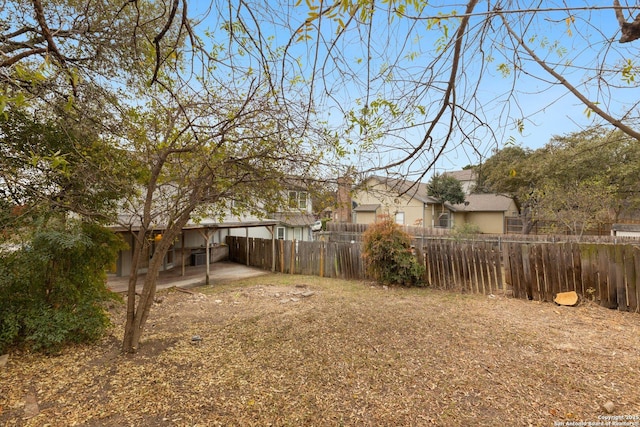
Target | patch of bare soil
(293,350)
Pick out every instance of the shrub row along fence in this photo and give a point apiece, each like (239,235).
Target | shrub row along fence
(607,274)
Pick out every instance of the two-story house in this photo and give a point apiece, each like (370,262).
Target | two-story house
(409,204)
(293,220)
(205,237)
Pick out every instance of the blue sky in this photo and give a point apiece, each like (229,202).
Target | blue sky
(587,38)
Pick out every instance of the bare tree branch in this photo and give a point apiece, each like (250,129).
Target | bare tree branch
(160,36)
(571,88)
(448,99)
(20,56)
(630,30)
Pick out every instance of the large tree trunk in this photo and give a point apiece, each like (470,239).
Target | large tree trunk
(138,249)
(138,252)
(137,314)
(527,224)
(135,325)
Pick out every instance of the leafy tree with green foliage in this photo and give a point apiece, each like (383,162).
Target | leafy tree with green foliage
(53,290)
(512,172)
(608,160)
(388,255)
(78,52)
(199,157)
(52,166)
(575,205)
(578,180)
(445,188)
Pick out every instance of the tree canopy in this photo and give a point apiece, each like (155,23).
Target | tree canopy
(577,180)
(397,84)
(445,188)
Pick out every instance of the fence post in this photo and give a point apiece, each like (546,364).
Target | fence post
(292,266)
(322,256)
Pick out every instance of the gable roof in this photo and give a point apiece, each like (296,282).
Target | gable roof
(484,203)
(462,175)
(294,219)
(367,208)
(415,190)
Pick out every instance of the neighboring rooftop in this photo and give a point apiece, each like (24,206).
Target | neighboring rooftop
(367,208)
(463,175)
(484,203)
(294,219)
(417,190)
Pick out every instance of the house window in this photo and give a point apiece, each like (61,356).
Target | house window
(443,220)
(400,218)
(298,199)
(280,233)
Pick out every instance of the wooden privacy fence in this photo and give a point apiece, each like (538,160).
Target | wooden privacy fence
(468,267)
(607,274)
(324,259)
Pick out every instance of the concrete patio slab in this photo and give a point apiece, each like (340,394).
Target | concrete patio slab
(219,272)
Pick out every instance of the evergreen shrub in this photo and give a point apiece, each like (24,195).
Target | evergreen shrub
(53,290)
(388,256)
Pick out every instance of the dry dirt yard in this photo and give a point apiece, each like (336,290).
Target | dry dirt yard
(302,351)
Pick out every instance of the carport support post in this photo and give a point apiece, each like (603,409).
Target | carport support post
(273,248)
(207,235)
(246,234)
(182,253)
(207,255)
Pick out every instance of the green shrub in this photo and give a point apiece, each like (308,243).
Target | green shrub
(388,255)
(466,231)
(52,292)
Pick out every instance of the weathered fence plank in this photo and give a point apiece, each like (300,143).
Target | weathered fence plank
(537,273)
(577,264)
(630,279)
(636,264)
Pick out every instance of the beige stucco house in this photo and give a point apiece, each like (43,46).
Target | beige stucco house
(403,200)
(410,205)
(467,178)
(487,211)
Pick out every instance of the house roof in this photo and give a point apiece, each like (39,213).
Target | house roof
(463,175)
(294,219)
(367,208)
(626,227)
(484,203)
(416,190)
(132,222)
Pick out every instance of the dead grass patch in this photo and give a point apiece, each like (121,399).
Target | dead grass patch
(294,350)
